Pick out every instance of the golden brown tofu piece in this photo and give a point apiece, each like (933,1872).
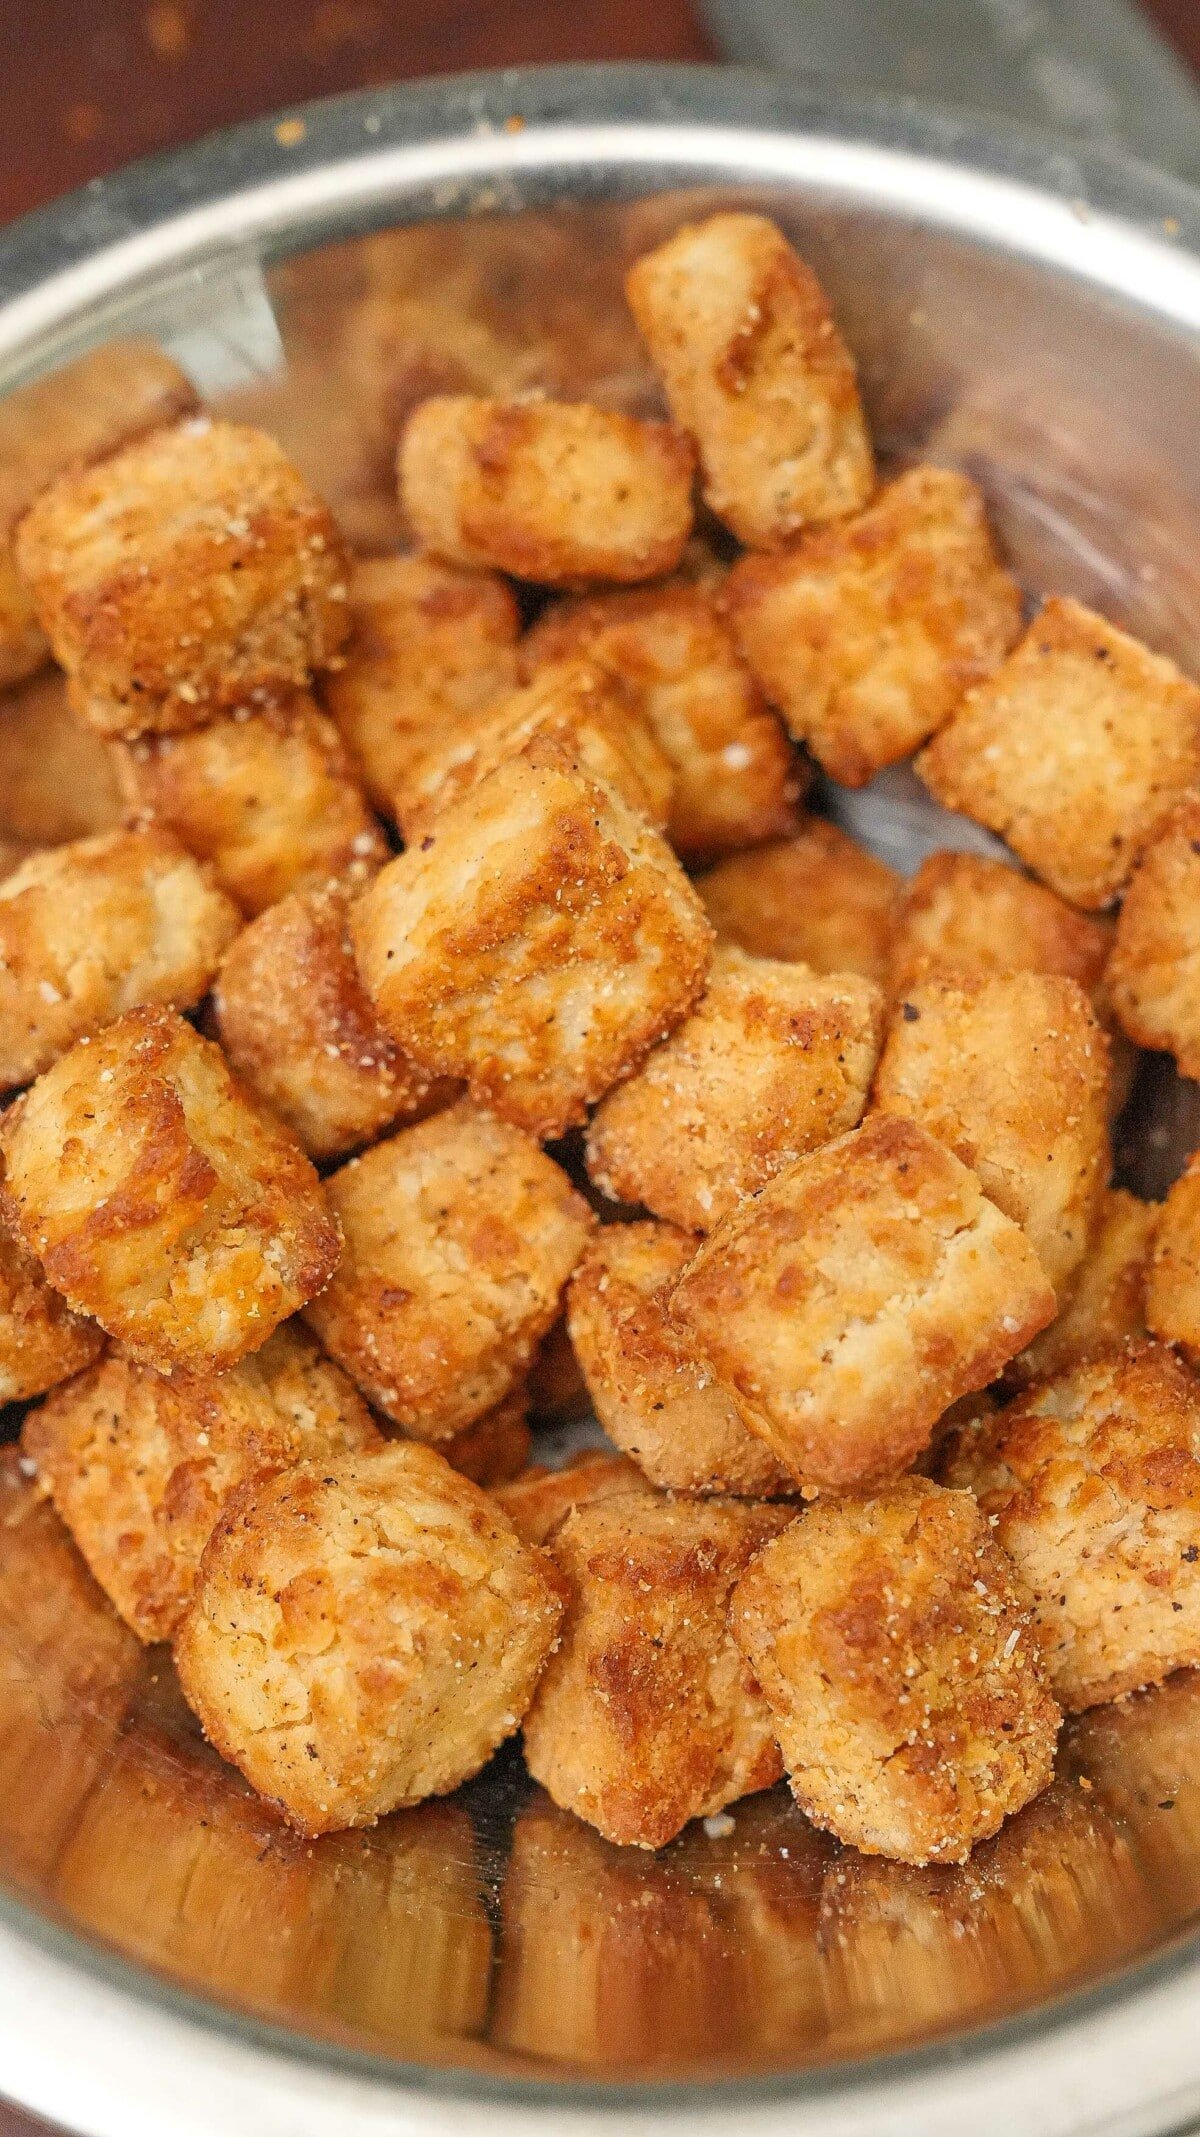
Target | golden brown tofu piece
(140,1463)
(160,1199)
(429,645)
(537,942)
(1173,1280)
(538,1498)
(364,1632)
(97,927)
(816,899)
(647,1716)
(496,1447)
(41,1340)
(57,780)
(651,1393)
(460,1235)
(1075,751)
(1091,1482)
(1010,1073)
(737,779)
(858,1296)
(966,917)
(774,1061)
(555,491)
(741,333)
(183,576)
(1154,971)
(1106,1298)
(901,1663)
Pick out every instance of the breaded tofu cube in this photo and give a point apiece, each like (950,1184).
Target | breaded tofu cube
(772,1062)
(497,1446)
(1154,971)
(651,1393)
(966,917)
(1173,1280)
(738,780)
(867,633)
(1106,1298)
(460,1235)
(140,1463)
(647,1716)
(299,1028)
(364,1632)
(1075,751)
(160,1199)
(268,796)
(57,780)
(741,333)
(1011,1073)
(184,575)
(817,899)
(858,1296)
(554,491)
(539,1498)
(97,927)
(41,1340)
(1091,1482)
(899,1656)
(429,644)
(537,942)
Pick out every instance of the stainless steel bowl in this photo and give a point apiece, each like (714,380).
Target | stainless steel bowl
(169,1958)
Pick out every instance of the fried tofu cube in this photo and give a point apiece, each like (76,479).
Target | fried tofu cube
(460,1235)
(902,1667)
(858,1296)
(537,943)
(57,780)
(364,1632)
(966,917)
(817,899)
(737,779)
(1091,1482)
(538,1498)
(1173,1282)
(647,1717)
(741,333)
(430,644)
(554,491)
(1106,1299)
(774,1061)
(1075,751)
(497,1446)
(1154,971)
(91,929)
(653,1396)
(184,575)
(41,1340)
(140,1463)
(160,1200)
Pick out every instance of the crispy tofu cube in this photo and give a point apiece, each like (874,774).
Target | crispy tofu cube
(1011,1073)
(741,333)
(902,1667)
(737,779)
(772,1062)
(1154,971)
(966,917)
(651,1393)
(816,899)
(91,929)
(160,1200)
(1075,751)
(1173,1282)
(140,1463)
(559,492)
(647,1717)
(364,1632)
(429,645)
(537,942)
(183,576)
(497,1446)
(538,1498)
(1091,1482)
(57,780)
(460,1235)
(41,1340)
(857,1297)
(1106,1300)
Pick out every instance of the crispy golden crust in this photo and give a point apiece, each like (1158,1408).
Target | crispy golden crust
(816,899)
(738,781)
(97,927)
(460,1235)
(1010,1073)
(160,1200)
(1173,1280)
(497,1446)
(41,1340)
(1106,1300)
(774,1061)
(537,942)
(901,1663)
(1091,1482)
(858,1296)
(867,633)
(651,1393)
(56,778)
(647,1716)
(539,1498)
(1154,971)
(741,334)
(363,1634)
(1075,751)
(965,917)
(184,575)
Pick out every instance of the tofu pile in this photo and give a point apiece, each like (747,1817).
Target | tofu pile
(427,1003)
